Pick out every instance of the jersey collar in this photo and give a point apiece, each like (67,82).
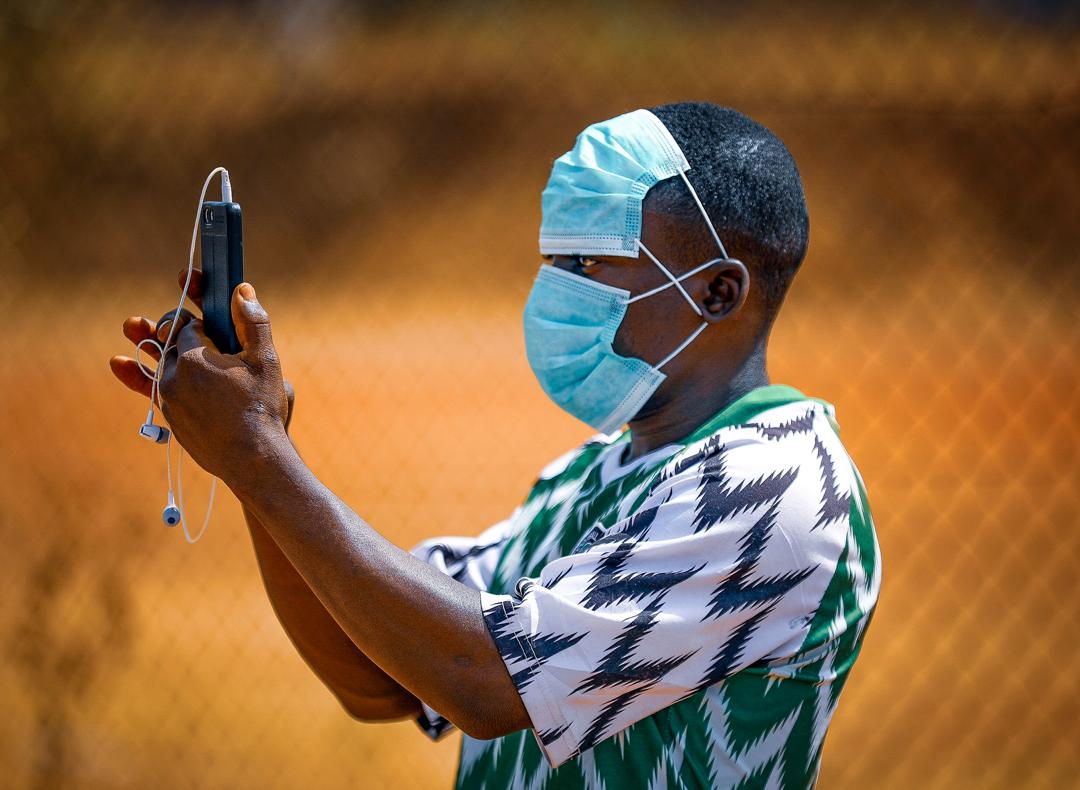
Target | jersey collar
(740,410)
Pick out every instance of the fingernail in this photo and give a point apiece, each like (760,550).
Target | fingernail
(247,292)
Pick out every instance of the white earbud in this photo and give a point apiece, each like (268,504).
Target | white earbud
(154,433)
(171,514)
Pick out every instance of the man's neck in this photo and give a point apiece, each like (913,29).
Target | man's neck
(695,403)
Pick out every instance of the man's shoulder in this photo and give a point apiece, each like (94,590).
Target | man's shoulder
(789,458)
(778,437)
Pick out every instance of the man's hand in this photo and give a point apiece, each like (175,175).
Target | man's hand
(220,407)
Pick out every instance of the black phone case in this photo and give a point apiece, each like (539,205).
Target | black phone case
(223,269)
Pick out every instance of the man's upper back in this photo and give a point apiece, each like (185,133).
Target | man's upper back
(689,616)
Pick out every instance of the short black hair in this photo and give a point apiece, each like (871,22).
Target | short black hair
(749,185)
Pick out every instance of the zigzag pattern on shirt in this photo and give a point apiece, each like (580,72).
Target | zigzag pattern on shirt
(450,554)
(614,589)
(717,502)
(668,765)
(735,591)
(801,424)
(607,715)
(544,646)
(548,737)
(609,585)
(637,527)
(504,631)
(558,577)
(613,707)
(730,653)
(457,561)
(834,505)
(515,648)
(714,445)
(761,775)
(631,636)
(627,673)
(616,670)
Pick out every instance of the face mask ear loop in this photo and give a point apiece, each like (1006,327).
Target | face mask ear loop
(683,345)
(701,208)
(670,276)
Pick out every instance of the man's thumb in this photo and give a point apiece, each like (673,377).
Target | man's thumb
(252,325)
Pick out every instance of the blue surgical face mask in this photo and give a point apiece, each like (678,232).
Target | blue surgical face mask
(592,206)
(570,324)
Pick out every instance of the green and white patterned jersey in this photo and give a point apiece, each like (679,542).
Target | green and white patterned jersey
(686,619)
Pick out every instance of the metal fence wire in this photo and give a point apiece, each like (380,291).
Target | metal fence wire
(389,158)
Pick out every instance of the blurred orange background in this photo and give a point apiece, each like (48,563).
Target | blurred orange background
(389,159)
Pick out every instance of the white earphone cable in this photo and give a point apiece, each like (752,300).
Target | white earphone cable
(180,498)
(163,348)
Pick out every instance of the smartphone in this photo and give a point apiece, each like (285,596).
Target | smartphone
(222,233)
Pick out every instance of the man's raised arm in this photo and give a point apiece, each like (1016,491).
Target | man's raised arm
(364,690)
(424,628)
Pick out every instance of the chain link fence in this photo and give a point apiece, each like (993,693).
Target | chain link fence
(389,159)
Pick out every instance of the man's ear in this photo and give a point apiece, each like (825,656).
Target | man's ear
(725,290)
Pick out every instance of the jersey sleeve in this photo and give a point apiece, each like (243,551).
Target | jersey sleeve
(470,561)
(717,569)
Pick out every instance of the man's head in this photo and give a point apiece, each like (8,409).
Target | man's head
(750,187)
(622,193)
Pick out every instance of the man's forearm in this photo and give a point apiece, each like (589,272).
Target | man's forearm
(364,690)
(420,626)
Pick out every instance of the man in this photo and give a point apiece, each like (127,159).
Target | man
(677,602)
